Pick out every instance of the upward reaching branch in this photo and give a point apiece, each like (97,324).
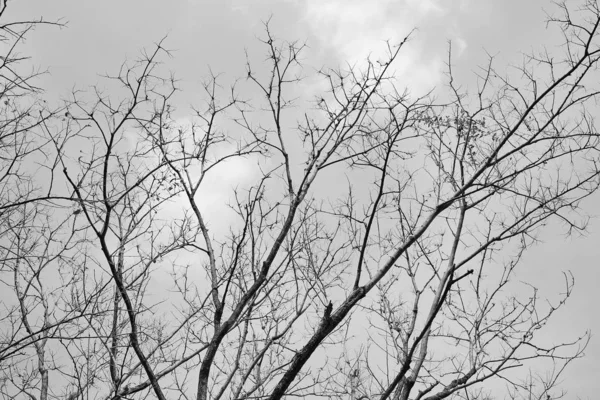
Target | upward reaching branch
(131,274)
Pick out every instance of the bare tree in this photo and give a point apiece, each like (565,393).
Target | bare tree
(372,252)
(37,245)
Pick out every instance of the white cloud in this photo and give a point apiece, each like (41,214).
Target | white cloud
(217,189)
(356,29)
(425,6)
(461,46)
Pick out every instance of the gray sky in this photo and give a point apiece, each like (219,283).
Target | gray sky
(202,33)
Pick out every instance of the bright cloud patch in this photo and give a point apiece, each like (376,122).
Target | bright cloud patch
(356,29)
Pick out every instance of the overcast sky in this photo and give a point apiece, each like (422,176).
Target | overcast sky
(101,34)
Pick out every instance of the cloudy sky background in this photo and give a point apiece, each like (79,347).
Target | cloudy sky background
(101,35)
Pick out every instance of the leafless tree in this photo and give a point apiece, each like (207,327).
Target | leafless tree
(37,245)
(370,249)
